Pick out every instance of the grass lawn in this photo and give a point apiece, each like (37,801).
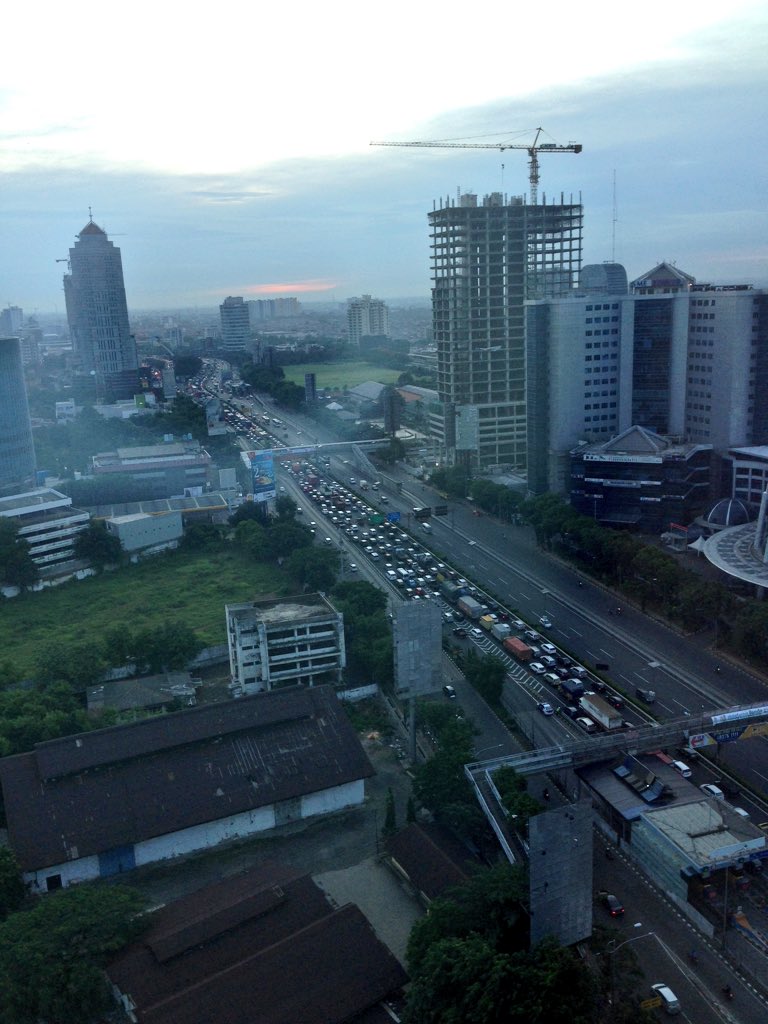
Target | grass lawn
(186,587)
(339,375)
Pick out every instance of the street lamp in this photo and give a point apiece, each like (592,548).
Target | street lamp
(609,953)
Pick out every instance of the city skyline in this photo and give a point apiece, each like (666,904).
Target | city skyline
(211,192)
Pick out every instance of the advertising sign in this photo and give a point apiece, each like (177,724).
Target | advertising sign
(214,418)
(262,468)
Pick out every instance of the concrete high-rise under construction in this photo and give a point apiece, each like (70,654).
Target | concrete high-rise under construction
(97,312)
(488,258)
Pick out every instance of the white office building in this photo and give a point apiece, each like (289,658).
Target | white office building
(286,641)
(366,317)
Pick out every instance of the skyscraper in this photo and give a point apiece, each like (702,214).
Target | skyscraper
(367,318)
(17,452)
(235,324)
(487,259)
(97,312)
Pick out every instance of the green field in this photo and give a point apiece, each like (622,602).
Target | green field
(340,375)
(191,588)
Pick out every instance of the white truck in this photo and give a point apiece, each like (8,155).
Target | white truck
(600,711)
(363,485)
(500,630)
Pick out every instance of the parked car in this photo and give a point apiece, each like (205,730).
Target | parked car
(712,790)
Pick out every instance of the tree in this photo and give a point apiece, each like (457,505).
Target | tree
(285,507)
(12,888)
(79,664)
(201,537)
(95,544)
(16,566)
(52,957)
(251,536)
(28,717)
(249,511)
(315,568)
(487,674)
(515,799)
(283,537)
(390,821)
(187,366)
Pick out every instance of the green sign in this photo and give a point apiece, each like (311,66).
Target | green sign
(376,519)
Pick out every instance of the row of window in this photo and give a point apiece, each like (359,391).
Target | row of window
(599,306)
(601,405)
(612,330)
(602,344)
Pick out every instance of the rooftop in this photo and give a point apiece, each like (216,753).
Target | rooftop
(79,795)
(283,609)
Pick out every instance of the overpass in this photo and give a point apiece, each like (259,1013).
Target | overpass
(733,723)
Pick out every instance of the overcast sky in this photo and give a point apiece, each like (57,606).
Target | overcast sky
(225,148)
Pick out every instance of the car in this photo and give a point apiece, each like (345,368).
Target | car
(667,997)
(531,634)
(327,540)
(562,673)
(449,691)
(546,622)
(352,567)
(614,701)
(612,904)
(547,661)
(537,667)
(570,711)
(551,678)
(477,633)
(549,649)
(586,723)
(712,790)
(517,623)
(545,708)
(459,632)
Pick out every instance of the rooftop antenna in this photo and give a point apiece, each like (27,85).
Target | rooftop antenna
(90,215)
(615,218)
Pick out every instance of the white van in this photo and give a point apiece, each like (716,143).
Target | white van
(669,1000)
(426,528)
(682,767)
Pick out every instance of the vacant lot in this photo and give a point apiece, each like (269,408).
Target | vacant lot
(182,587)
(340,375)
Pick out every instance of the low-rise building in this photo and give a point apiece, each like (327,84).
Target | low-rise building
(640,480)
(143,531)
(100,803)
(266,945)
(285,641)
(179,468)
(49,523)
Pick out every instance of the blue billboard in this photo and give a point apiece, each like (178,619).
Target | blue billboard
(262,467)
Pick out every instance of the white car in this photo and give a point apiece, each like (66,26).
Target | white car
(545,708)
(712,790)
(517,624)
(352,567)
(537,667)
(549,649)
(546,621)
(477,633)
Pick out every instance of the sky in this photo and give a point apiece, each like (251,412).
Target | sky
(226,149)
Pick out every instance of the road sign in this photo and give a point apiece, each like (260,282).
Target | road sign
(393,517)
(376,519)
(440,510)
(422,513)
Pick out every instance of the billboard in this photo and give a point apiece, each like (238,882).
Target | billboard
(262,467)
(214,418)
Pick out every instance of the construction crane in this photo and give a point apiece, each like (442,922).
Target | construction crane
(533,149)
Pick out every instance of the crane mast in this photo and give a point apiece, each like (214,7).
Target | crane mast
(533,149)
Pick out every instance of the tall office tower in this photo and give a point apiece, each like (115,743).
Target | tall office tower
(17,452)
(487,259)
(367,318)
(235,324)
(97,312)
(11,321)
(684,360)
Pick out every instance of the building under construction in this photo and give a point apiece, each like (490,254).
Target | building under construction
(488,258)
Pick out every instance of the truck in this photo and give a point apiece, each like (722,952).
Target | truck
(500,630)
(572,689)
(515,646)
(363,485)
(450,591)
(470,607)
(487,622)
(600,711)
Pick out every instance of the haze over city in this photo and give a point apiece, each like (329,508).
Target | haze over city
(230,154)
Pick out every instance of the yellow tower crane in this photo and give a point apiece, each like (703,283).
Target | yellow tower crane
(533,149)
